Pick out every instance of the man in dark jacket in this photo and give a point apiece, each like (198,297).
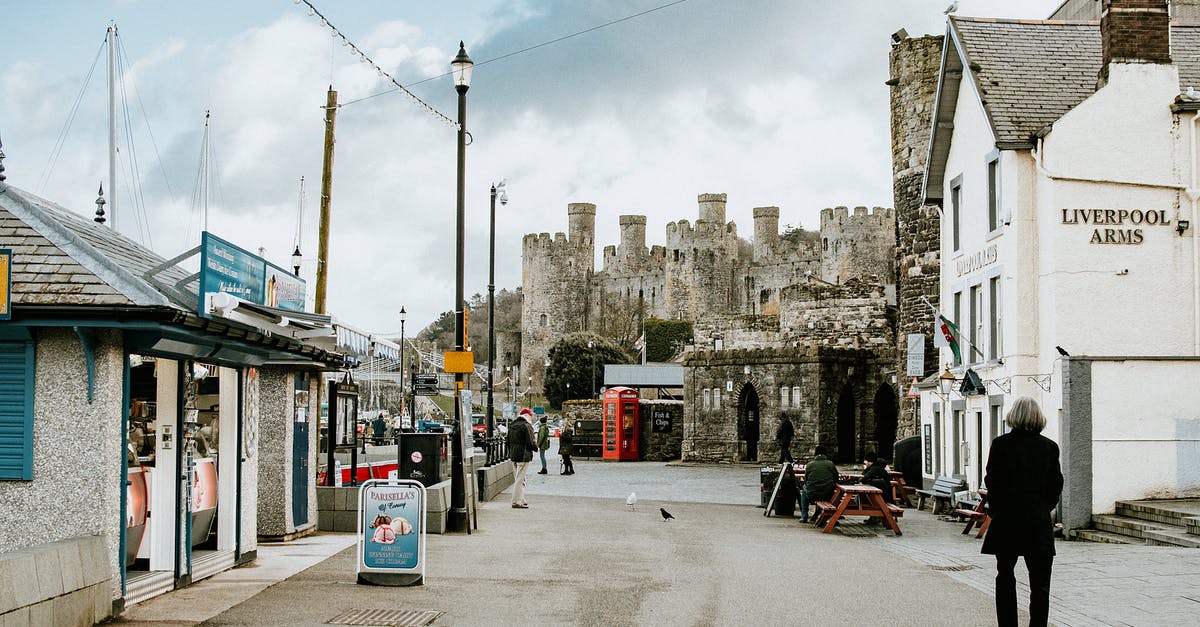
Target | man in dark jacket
(784,434)
(1024,481)
(520,450)
(379,428)
(820,478)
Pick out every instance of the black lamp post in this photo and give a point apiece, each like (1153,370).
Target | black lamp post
(460,67)
(403,398)
(592,350)
(491,418)
(296,259)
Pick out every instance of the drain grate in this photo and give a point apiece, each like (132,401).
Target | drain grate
(955,568)
(392,618)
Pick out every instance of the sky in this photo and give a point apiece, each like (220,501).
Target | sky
(773,102)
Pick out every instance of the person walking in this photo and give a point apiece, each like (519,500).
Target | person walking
(543,443)
(379,429)
(820,478)
(1024,481)
(784,434)
(565,442)
(520,450)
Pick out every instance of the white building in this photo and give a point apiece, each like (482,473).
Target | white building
(1064,157)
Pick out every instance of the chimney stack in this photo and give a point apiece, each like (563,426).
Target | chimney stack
(1135,31)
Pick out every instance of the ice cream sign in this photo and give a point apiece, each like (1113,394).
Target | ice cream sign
(225,267)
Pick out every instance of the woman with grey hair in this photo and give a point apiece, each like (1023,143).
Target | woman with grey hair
(1024,482)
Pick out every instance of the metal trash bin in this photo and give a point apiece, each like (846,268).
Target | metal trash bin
(424,457)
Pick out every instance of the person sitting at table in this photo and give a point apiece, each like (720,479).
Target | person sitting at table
(875,474)
(820,479)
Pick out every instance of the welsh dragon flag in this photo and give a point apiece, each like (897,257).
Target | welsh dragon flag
(948,329)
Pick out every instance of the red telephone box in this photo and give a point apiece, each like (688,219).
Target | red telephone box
(621,423)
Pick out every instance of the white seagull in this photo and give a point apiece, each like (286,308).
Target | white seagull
(631,501)
(952,8)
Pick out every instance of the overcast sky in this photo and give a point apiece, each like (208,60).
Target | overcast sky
(773,102)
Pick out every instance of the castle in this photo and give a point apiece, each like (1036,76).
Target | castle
(808,317)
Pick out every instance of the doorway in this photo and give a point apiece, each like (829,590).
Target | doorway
(886,410)
(846,428)
(748,419)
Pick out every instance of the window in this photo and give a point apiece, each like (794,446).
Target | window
(16,411)
(993,183)
(783,396)
(976,325)
(716,399)
(955,206)
(796,396)
(958,318)
(542,321)
(706,402)
(995,345)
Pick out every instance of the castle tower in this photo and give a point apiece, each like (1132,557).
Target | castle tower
(712,208)
(633,240)
(766,232)
(914,65)
(858,245)
(556,276)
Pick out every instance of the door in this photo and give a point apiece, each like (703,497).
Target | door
(748,422)
(300,474)
(846,428)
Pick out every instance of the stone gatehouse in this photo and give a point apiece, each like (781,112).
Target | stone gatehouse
(836,397)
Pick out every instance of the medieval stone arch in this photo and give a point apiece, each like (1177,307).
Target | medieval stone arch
(749,420)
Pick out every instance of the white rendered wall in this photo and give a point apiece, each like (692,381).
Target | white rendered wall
(1145,431)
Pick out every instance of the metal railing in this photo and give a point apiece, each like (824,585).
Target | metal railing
(497,449)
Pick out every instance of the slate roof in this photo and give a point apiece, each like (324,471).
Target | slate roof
(61,258)
(1029,73)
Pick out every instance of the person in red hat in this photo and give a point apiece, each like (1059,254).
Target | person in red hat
(520,450)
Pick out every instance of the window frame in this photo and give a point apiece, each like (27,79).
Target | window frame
(992,174)
(23,468)
(956,214)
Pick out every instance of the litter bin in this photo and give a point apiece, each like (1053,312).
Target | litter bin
(424,457)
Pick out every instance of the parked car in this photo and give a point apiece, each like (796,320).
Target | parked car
(479,428)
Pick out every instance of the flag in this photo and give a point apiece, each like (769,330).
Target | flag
(640,343)
(947,329)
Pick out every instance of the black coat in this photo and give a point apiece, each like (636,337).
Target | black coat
(520,440)
(565,443)
(1024,482)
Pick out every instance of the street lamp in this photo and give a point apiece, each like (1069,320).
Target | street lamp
(491,419)
(296,258)
(460,67)
(592,350)
(403,399)
(946,382)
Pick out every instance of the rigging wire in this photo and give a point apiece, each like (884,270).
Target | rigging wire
(55,152)
(199,201)
(524,50)
(299,214)
(149,130)
(137,196)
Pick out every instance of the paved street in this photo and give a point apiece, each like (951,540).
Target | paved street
(578,556)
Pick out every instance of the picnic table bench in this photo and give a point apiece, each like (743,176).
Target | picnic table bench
(942,492)
(857,500)
(975,513)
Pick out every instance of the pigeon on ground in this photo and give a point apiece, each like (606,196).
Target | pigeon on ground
(665,514)
(631,501)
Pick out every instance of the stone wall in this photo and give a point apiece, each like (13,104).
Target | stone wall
(806,382)
(858,244)
(76,450)
(62,583)
(914,67)
(660,447)
(853,315)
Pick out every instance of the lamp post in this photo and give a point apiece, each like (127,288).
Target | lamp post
(491,419)
(403,399)
(592,350)
(460,67)
(296,259)
(946,382)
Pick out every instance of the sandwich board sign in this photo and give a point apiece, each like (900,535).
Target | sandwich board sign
(391,532)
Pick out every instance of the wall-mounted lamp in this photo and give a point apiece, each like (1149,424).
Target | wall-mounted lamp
(946,382)
(1181,226)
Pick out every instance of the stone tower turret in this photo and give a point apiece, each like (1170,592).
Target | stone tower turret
(766,232)
(556,273)
(858,245)
(712,208)
(914,65)
(581,222)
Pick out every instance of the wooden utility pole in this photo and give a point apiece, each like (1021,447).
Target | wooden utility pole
(326,189)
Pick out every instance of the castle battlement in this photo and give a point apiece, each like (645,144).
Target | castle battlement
(840,216)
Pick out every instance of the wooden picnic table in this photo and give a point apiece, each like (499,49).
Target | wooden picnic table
(976,516)
(857,500)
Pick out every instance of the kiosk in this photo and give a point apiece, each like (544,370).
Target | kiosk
(621,423)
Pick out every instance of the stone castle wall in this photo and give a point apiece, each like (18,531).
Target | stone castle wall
(858,244)
(914,65)
(855,315)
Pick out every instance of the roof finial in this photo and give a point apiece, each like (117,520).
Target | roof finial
(2,177)
(100,205)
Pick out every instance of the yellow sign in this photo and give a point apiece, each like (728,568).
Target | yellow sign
(458,361)
(5,283)
(466,319)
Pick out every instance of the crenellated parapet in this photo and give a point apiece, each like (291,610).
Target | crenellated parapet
(858,243)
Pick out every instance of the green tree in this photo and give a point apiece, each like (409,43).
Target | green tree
(666,338)
(798,235)
(570,375)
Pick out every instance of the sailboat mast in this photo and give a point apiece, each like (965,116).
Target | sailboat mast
(112,125)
